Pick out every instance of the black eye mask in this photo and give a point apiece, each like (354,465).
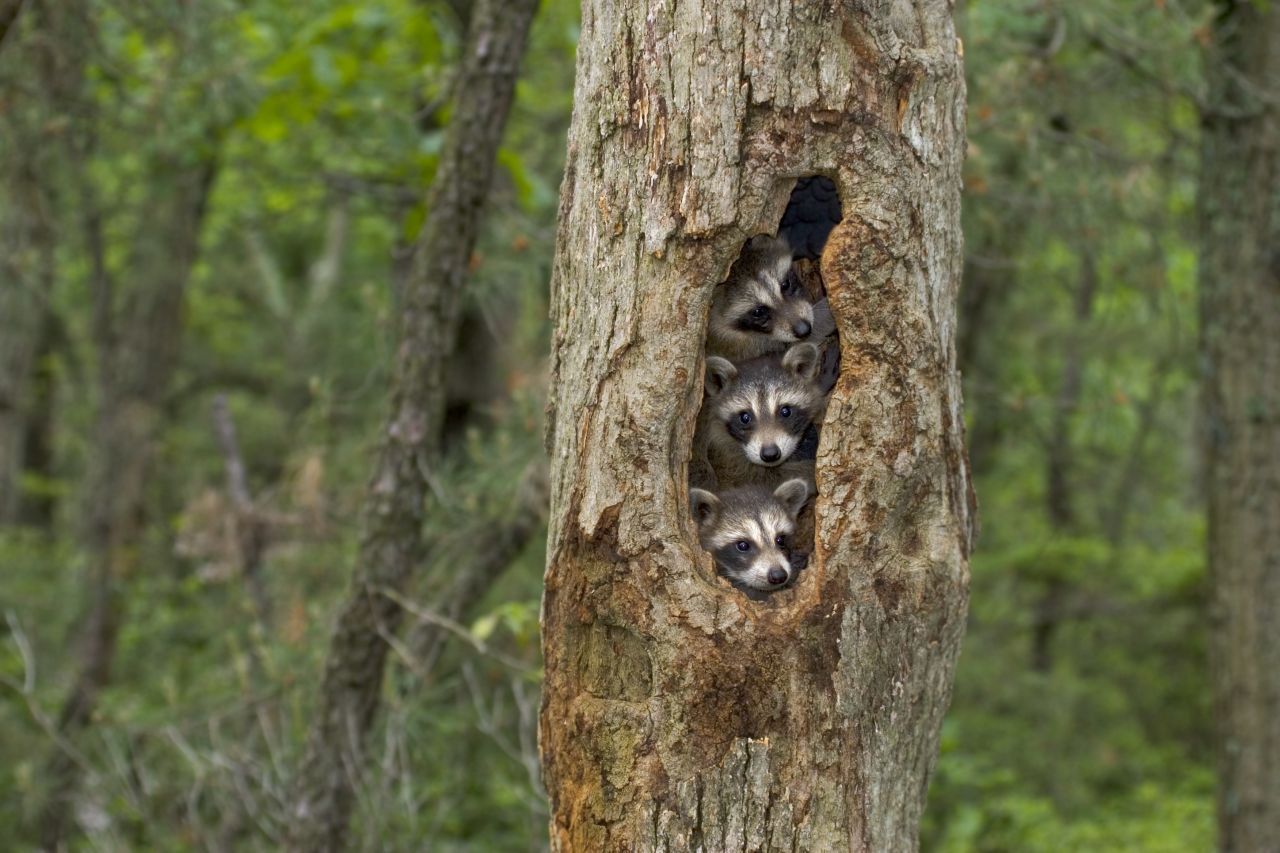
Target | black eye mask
(750,323)
(733,561)
(798,422)
(738,429)
(791,284)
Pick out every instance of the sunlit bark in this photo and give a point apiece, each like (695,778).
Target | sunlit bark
(678,714)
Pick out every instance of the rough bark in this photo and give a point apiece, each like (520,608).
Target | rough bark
(1240,322)
(677,713)
(391,540)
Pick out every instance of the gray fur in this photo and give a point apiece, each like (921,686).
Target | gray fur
(762,520)
(704,505)
(720,374)
(757,278)
(762,387)
(793,494)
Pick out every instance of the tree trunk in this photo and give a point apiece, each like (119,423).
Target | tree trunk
(28,230)
(677,713)
(9,10)
(138,345)
(391,540)
(1240,321)
(1059,495)
(37,506)
(26,284)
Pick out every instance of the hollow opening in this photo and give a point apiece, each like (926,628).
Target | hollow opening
(772,359)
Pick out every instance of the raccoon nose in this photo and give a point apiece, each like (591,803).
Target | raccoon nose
(802,329)
(777,576)
(770,453)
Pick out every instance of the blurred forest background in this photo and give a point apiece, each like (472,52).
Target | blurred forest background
(206,214)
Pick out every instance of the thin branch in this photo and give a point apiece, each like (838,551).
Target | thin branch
(491,552)
(424,615)
(26,689)
(251,532)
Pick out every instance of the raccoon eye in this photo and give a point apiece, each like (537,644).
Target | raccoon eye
(743,545)
(744,417)
(785,411)
(780,541)
(760,312)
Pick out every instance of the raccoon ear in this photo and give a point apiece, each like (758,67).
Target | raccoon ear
(802,360)
(720,372)
(704,506)
(793,494)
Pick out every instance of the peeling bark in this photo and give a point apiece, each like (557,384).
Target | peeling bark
(1240,345)
(677,713)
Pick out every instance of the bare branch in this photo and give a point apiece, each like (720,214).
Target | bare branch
(251,532)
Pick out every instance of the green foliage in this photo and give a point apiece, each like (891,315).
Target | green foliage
(1081,718)
(326,118)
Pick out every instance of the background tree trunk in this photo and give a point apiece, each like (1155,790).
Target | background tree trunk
(26,271)
(391,541)
(678,714)
(32,163)
(138,345)
(9,10)
(1240,316)
(1059,488)
(136,329)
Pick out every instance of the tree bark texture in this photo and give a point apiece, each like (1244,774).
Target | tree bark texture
(391,540)
(677,713)
(1240,328)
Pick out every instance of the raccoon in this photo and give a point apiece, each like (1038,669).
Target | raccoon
(758,414)
(749,531)
(761,307)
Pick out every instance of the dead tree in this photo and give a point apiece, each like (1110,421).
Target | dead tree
(678,714)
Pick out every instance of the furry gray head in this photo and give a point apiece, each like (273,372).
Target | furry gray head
(748,531)
(762,407)
(761,308)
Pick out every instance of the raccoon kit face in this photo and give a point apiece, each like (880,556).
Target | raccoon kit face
(762,407)
(748,531)
(761,307)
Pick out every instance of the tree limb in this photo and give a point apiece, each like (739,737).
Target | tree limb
(391,546)
(251,532)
